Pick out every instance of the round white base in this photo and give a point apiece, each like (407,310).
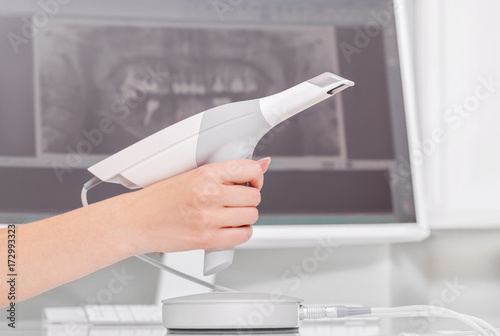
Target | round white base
(236,311)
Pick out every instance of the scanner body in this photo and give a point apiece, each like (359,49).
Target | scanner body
(226,132)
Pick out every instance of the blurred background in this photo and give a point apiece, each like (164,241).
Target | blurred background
(46,99)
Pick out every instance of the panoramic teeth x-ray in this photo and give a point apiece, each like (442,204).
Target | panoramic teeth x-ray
(173,73)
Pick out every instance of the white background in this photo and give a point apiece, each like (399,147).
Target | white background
(457,42)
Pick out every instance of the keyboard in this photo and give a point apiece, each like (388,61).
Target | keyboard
(105,315)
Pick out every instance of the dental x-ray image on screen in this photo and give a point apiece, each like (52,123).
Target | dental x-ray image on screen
(144,78)
(334,165)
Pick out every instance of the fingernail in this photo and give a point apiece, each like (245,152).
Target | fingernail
(264,163)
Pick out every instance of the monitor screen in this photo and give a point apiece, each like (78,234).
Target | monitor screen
(334,163)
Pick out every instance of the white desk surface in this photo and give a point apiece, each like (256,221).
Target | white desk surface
(321,328)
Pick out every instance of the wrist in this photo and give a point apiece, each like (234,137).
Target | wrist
(123,226)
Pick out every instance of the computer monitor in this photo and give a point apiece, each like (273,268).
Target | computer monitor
(343,168)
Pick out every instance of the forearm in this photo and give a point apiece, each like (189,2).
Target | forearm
(60,249)
(176,214)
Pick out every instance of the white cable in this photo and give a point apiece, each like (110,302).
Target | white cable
(84,197)
(95,181)
(444,333)
(188,277)
(329,311)
(86,187)
(422,310)
(482,323)
(466,321)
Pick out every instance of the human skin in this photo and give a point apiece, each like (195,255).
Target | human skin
(205,208)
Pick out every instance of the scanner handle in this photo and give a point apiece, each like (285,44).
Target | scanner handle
(217,260)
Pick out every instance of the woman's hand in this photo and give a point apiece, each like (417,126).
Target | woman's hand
(205,208)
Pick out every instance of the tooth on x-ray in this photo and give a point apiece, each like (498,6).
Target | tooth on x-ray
(237,85)
(190,88)
(178,87)
(195,88)
(151,107)
(218,85)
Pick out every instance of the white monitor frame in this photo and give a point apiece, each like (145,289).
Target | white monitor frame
(279,236)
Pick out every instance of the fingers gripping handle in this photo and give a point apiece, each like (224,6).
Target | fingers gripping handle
(217,260)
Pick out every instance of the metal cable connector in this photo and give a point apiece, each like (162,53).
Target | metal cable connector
(319,312)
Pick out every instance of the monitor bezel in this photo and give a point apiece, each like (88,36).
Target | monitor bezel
(305,235)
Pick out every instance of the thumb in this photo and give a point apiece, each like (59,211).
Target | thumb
(264,163)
